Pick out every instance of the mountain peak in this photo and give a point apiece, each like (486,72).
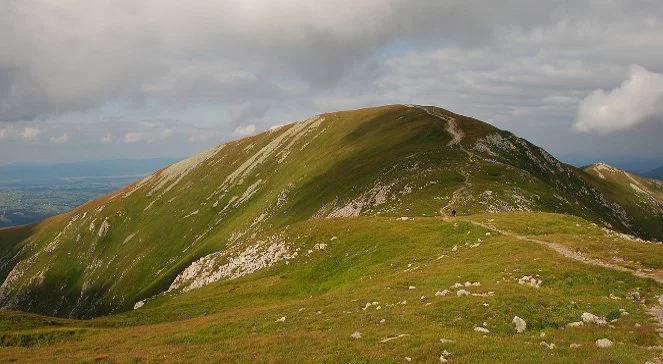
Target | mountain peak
(176,230)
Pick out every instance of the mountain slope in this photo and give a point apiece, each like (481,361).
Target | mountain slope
(641,198)
(225,212)
(383,289)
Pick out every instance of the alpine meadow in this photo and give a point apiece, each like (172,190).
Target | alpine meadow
(330,181)
(331,239)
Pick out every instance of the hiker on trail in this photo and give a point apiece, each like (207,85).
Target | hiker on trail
(453,212)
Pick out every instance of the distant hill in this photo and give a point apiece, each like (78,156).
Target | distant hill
(656,173)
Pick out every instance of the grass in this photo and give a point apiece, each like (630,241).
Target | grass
(375,259)
(581,235)
(151,239)
(643,208)
(66,266)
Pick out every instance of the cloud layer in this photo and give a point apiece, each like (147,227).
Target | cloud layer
(78,55)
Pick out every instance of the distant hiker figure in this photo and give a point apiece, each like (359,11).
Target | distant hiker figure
(453,212)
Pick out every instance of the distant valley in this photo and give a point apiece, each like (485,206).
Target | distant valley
(33,192)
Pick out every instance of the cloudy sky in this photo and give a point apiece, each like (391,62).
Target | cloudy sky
(145,78)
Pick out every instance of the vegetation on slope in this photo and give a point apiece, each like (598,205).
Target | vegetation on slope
(380,277)
(642,198)
(191,223)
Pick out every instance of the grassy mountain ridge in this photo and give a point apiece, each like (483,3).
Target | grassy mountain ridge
(195,222)
(641,197)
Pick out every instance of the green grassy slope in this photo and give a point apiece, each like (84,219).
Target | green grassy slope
(192,222)
(378,276)
(12,247)
(641,197)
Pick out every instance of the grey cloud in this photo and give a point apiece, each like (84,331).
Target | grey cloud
(97,70)
(84,54)
(60,139)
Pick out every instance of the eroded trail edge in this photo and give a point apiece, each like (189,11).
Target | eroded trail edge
(568,253)
(451,125)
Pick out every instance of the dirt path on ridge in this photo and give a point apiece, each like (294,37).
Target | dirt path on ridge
(656,311)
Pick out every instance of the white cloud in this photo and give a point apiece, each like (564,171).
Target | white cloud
(133,137)
(59,139)
(201,137)
(637,100)
(29,134)
(165,134)
(150,135)
(244,130)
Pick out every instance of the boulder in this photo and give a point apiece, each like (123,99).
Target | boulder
(604,343)
(519,324)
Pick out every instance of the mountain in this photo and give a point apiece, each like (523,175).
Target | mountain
(641,166)
(641,198)
(112,252)
(340,223)
(656,173)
